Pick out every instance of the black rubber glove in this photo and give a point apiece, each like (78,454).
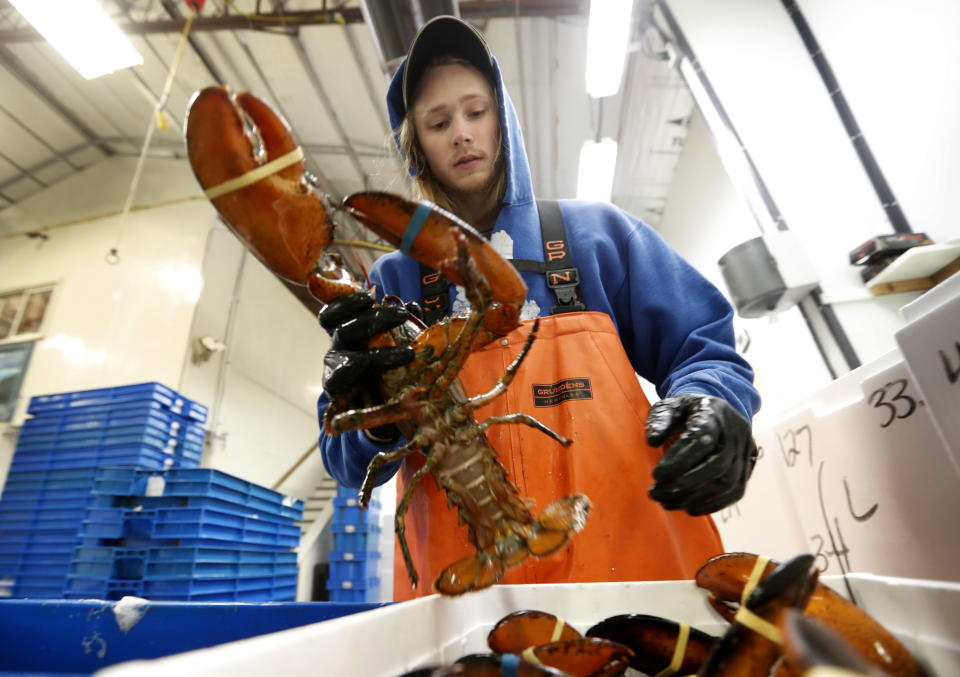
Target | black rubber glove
(349,368)
(707,466)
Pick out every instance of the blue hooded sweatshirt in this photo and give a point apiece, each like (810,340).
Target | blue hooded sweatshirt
(675,326)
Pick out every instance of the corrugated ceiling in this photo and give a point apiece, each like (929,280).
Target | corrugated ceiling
(327,79)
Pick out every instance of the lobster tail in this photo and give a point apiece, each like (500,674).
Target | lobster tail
(540,538)
(557,521)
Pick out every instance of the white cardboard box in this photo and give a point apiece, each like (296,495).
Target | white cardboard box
(391,640)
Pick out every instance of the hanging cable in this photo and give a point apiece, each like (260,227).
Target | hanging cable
(157,121)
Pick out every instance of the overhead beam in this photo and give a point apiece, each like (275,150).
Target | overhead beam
(347,15)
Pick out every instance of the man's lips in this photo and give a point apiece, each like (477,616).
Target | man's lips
(467,160)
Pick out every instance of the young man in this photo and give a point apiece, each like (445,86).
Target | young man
(638,309)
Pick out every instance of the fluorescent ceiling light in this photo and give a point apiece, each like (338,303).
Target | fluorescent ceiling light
(83,33)
(608,32)
(598,159)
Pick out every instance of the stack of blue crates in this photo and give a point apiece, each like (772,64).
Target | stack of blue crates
(58,452)
(193,534)
(355,556)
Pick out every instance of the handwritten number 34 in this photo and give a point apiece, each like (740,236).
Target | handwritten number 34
(897,406)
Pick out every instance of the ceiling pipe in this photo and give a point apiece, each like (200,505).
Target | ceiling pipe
(393,25)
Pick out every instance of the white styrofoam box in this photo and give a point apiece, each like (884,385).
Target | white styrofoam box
(930,343)
(871,483)
(391,640)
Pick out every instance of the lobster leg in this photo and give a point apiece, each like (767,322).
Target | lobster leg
(400,526)
(394,411)
(525,420)
(501,385)
(383,457)
(480,297)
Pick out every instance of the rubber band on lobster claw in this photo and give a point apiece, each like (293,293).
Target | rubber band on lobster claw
(725,576)
(247,161)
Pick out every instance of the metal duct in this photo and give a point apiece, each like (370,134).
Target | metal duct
(393,25)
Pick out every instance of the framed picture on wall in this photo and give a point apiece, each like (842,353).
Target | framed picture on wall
(14,358)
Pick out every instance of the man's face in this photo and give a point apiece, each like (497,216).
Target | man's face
(457,123)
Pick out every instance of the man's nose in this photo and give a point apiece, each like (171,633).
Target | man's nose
(461,133)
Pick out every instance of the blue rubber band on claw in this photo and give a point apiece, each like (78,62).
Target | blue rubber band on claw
(509,663)
(413,228)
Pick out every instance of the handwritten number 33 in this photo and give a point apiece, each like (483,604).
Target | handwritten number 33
(899,401)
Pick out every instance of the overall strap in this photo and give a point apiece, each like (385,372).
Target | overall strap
(434,295)
(557,265)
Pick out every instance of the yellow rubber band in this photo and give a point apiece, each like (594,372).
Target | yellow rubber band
(761,626)
(758,568)
(557,629)
(255,175)
(679,651)
(830,671)
(529,656)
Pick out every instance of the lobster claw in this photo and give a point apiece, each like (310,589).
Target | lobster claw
(251,167)
(808,644)
(515,632)
(430,235)
(654,641)
(725,577)
(752,644)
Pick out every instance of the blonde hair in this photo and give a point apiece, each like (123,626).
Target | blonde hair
(415,162)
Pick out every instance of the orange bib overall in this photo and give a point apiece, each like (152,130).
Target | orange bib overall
(578,381)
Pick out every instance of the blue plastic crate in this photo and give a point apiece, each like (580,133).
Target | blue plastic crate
(97,418)
(97,588)
(151,391)
(348,511)
(145,457)
(105,562)
(40,519)
(346,492)
(50,480)
(355,567)
(196,482)
(17,503)
(355,538)
(102,438)
(347,591)
(121,395)
(175,523)
(271,512)
(182,563)
(188,588)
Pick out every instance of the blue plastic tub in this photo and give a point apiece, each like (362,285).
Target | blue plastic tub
(347,591)
(355,538)
(164,422)
(348,511)
(67,637)
(355,567)
(196,482)
(120,395)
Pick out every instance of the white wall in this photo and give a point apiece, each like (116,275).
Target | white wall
(753,57)
(181,275)
(706,216)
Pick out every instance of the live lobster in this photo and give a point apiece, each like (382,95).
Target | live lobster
(249,165)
